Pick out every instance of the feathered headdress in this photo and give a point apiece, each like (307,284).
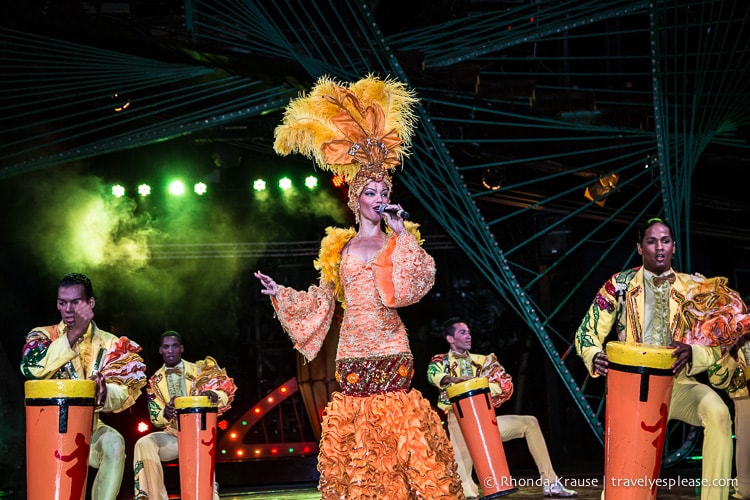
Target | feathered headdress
(361,130)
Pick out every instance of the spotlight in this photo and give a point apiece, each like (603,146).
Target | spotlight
(311,182)
(598,191)
(200,188)
(118,191)
(285,183)
(144,190)
(259,185)
(338,180)
(177,188)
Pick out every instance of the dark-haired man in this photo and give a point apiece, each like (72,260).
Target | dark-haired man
(643,304)
(76,348)
(175,378)
(459,365)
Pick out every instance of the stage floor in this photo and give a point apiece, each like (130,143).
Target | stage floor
(525,492)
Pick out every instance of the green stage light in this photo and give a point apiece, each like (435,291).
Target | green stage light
(311,182)
(177,188)
(144,190)
(118,191)
(200,188)
(285,183)
(259,185)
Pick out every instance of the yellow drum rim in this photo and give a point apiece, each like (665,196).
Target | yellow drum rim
(645,355)
(454,390)
(192,402)
(59,388)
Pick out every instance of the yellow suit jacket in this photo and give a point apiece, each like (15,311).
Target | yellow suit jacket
(620,304)
(195,382)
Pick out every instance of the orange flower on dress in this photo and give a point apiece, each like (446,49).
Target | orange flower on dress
(403,370)
(352,378)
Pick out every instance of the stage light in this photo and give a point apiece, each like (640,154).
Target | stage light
(177,188)
(142,427)
(121,103)
(200,188)
(338,180)
(223,424)
(118,191)
(493,178)
(285,183)
(311,182)
(598,191)
(259,185)
(144,190)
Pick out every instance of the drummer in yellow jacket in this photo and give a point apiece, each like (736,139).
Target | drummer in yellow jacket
(76,348)
(459,365)
(177,377)
(643,305)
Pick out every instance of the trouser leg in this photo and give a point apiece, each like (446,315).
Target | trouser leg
(108,456)
(699,405)
(527,426)
(149,452)
(463,458)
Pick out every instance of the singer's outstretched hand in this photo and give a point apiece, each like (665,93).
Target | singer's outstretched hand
(269,285)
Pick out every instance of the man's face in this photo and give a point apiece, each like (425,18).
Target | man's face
(460,341)
(171,351)
(657,248)
(70,298)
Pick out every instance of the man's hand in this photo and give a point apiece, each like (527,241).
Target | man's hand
(601,363)
(170,412)
(684,354)
(448,380)
(100,395)
(83,315)
(212,396)
(738,345)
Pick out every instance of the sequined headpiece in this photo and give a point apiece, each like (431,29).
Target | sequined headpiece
(361,131)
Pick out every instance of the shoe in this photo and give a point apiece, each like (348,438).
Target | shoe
(557,489)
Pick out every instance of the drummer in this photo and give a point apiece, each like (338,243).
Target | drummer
(177,377)
(458,365)
(643,305)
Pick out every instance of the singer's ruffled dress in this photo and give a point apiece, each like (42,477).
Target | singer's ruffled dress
(380,439)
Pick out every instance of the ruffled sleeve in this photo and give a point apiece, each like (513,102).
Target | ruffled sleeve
(125,374)
(306,316)
(211,377)
(501,383)
(404,272)
(713,314)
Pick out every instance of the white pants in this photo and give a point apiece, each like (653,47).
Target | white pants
(150,451)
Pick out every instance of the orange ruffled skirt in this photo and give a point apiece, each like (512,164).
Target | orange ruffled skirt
(385,446)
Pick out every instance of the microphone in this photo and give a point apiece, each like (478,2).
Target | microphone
(395,211)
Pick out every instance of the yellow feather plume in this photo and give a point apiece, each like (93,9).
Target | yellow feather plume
(310,121)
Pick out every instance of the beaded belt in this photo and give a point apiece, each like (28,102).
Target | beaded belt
(375,375)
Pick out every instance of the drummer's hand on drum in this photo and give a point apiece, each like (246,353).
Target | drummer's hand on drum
(170,412)
(101,389)
(212,396)
(738,345)
(684,354)
(448,380)
(601,363)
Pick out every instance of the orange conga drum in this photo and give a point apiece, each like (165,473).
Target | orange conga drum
(59,419)
(476,417)
(196,442)
(639,387)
